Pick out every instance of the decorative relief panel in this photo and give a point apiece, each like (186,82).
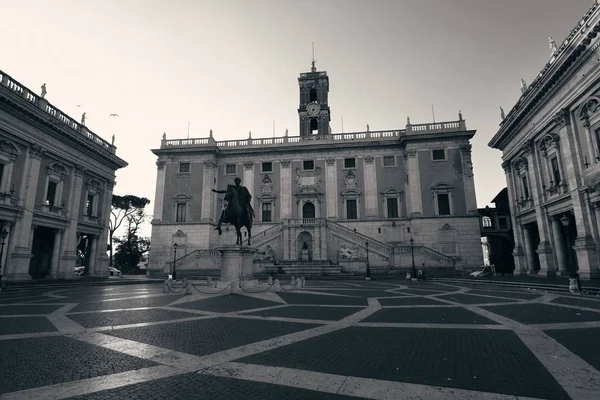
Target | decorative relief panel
(350,179)
(266,185)
(369,159)
(308,181)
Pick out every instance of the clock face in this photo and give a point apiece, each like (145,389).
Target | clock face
(313,109)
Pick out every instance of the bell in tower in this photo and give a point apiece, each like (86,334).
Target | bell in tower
(314,112)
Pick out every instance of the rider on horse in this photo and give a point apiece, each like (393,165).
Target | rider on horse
(244,196)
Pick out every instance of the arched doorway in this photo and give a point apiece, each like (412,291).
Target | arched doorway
(304,246)
(308,210)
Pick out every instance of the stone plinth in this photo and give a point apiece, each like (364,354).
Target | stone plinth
(236,263)
(354,266)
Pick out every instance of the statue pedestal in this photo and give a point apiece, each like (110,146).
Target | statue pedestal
(236,263)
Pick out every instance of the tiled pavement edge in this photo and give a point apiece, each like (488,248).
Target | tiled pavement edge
(220,367)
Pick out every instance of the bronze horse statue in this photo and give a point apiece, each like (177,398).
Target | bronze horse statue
(236,215)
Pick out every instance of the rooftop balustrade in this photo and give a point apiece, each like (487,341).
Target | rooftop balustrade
(8,83)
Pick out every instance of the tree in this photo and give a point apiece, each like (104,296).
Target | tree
(130,208)
(130,251)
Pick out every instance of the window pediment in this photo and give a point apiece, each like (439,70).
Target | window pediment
(56,169)
(392,193)
(590,106)
(182,197)
(9,148)
(548,143)
(266,196)
(353,192)
(94,185)
(442,188)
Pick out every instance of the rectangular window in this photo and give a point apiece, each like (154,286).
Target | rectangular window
(181,209)
(351,211)
(230,169)
(392,207)
(266,212)
(349,163)
(389,161)
(438,155)
(184,167)
(50,196)
(443,203)
(502,223)
(267,167)
(525,188)
(89,205)
(308,165)
(555,170)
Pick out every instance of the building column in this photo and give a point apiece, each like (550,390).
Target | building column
(208,182)
(159,192)
(104,213)
(560,246)
(248,180)
(371,198)
(56,253)
(331,188)
(21,248)
(286,190)
(6,251)
(414,183)
(592,152)
(518,255)
(92,248)
(468,179)
(529,251)
(596,206)
(67,265)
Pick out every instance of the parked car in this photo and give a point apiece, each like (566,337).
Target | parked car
(79,271)
(112,271)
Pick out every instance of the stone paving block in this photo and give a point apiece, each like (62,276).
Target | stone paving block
(194,386)
(484,360)
(14,326)
(410,301)
(29,363)
(11,299)
(421,292)
(114,318)
(227,303)
(429,315)
(572,301)
(471,299)
(514,295)
(28,309)
(301,298)
(582,342)
(308,312)
(207,336)
(543,313)
(126,303)
(359,292)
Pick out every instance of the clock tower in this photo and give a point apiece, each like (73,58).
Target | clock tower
(314,113)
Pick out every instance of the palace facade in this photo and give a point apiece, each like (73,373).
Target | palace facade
(326,201)
(550,143)
(56,184)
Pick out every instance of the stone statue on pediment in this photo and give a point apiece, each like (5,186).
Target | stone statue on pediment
(348,253)
(502,115)
(553,48)
(44,91)
(523,86)
(164,136)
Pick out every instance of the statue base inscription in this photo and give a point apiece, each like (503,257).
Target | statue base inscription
(236,263)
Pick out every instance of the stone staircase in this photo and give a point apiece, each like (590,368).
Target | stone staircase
(305,268)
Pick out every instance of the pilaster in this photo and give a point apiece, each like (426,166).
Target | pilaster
(160,191)
(248,180)
(286,190)
(208,177)
(518,255)
(414,182)
(560,246)
(529,251)
(468,179)
(105,211)
(371,206)
(587,258)
(56,253)
(67,265)
(331,188)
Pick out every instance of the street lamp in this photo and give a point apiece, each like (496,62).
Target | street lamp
(368,278)
(412,253)
(4,234)
(575,284)
(174,258)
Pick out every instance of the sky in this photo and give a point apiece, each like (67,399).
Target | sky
(232,66)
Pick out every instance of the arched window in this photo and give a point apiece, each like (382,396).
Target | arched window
(313,95)
(314,126)
(487,222)
(308,210)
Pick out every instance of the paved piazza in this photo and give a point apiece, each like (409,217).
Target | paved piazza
(330,340)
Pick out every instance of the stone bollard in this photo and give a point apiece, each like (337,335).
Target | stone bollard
(303,282)
(277,286)
(270,280)
(293,282)
(234,286)
(298,284)
(209,280)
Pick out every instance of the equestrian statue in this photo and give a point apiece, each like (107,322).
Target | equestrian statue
(238,212)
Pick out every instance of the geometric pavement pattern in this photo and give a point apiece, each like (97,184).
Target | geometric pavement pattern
(329,340)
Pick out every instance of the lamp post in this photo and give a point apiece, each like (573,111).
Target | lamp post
(174,258)
(368,278)
(574,283)
(412,253)
(4,234)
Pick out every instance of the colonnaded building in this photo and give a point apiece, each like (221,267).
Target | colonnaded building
(56,184)
(550,144)
(320,197)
